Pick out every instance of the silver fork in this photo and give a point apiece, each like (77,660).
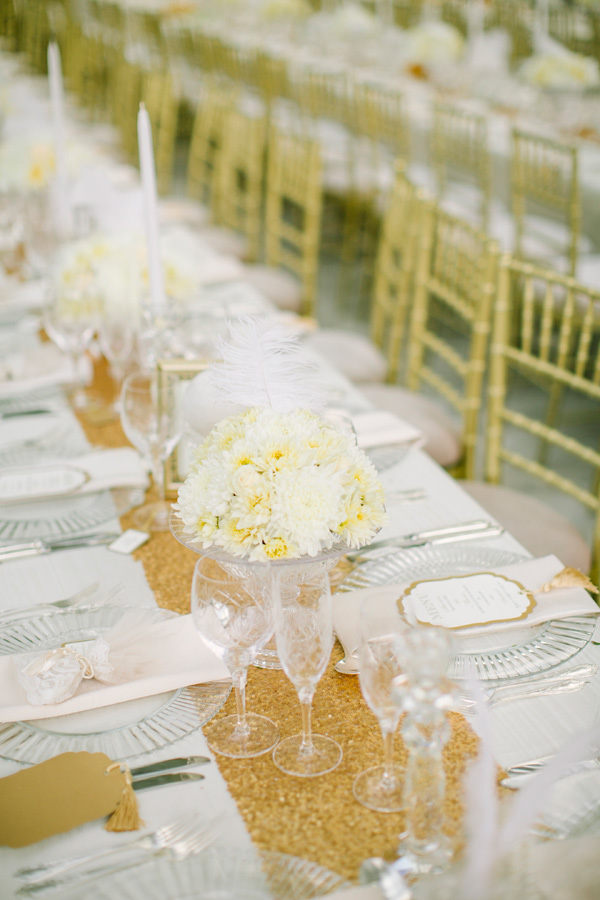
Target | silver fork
(183,833)
(82,599)
(65,603)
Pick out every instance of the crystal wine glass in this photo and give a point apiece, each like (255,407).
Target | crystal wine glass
(232,610)
(70,319)
(304,632)
(153,425)
(381,787)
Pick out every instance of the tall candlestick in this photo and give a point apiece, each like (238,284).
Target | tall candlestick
(157,292)
(57,104)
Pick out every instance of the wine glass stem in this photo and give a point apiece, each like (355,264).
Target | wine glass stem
(158,471)
(388,754)
(78,397)
(306,698)
(238,678)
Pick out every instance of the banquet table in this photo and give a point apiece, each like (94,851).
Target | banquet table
(314,819)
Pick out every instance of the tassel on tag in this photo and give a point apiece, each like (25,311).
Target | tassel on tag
(126,816)
(568,577)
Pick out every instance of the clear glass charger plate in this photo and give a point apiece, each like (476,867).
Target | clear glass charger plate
(68,516)
(497,656)
(45,437)
(123,731)
(220,875)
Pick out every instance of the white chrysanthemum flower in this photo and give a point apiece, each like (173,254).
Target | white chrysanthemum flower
(434,42)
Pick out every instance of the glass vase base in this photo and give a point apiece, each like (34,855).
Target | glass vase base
(224,737)
(152,516)
(379,789)
(267,658)
(324,756)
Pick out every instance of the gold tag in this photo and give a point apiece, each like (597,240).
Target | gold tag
(56,796)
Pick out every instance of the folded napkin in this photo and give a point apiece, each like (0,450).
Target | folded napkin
(87,474)
(176,658)
(558,603)
(33,369)
(378,428)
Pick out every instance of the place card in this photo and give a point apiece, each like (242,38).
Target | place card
(41,483)
(461,601)
(58,795)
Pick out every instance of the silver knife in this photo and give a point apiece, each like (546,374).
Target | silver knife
(464,530)
(17,413)
(168,778)
(39,547)
(180,762)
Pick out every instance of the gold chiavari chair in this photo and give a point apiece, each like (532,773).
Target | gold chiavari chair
(241,175)
(206,146)
(461,161)
(515,17)
(272,80)
(447,340)
(542,352)
(381,117)
(206,142)
(546,201)
(378,359)
(125,92)
(292,223)
(573,28)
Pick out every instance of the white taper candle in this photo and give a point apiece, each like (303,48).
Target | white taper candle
(57,105)
(157,292)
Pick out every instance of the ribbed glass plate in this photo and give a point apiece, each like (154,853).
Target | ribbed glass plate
(497,656)
(220,875)
(123,731)
(62,518)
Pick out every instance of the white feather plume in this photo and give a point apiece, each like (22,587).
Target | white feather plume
(263,365)
(481,804)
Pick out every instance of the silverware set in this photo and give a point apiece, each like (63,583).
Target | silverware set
(462,531)
(178,839)
(566,682)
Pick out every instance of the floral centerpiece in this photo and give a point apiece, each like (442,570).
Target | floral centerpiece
(114,271)
(276,481)
(26,165)
(560,70)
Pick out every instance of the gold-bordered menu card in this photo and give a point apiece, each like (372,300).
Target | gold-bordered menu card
(463,601)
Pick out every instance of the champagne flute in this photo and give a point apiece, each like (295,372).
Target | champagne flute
(232,610)
(70,319)
(154,429)
(304,632)
(381,787)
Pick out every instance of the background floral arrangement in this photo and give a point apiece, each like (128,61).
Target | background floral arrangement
(564,69)
(276,481)
(114,271)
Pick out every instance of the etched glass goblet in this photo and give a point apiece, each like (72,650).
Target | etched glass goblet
(304,633)
(233,612)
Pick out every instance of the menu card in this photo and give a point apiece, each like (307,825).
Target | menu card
(466,600)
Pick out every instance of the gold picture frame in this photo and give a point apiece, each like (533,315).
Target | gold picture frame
(184,370)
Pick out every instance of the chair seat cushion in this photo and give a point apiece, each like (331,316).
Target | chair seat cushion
(225,242)
(536,525)
(280,287)
(442,436)
(354,355)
